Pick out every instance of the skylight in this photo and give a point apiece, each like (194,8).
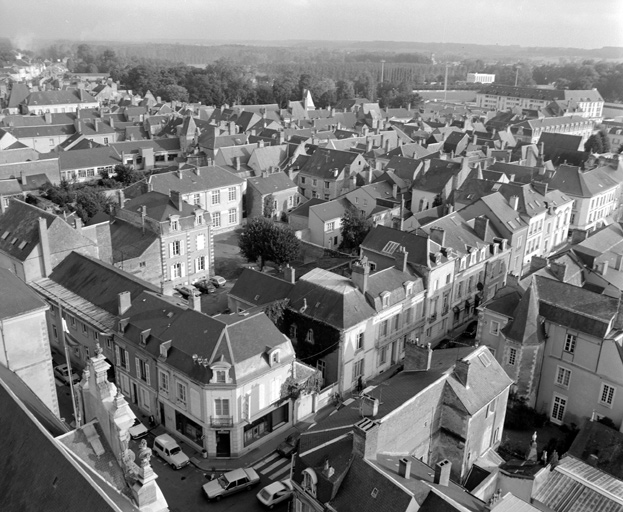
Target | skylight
(484,359)
(511,224)
(390,247)
(22,245)
(4,235)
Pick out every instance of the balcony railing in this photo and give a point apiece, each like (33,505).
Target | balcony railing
(221,421)
(381,341)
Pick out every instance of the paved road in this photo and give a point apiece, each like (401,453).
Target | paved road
(182,488)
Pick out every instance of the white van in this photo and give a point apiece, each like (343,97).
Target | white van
(167,449)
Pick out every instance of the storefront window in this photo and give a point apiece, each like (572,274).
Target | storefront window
(189,428)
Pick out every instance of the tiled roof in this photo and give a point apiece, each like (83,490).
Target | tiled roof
(19,229)
(58,98)
(275,182)
(86,158)
(159,206)
(259,288)
(193,180)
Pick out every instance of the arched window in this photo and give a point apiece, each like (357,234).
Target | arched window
(310,480)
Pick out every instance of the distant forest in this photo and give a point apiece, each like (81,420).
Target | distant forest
(245,74)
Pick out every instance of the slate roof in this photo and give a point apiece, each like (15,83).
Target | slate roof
(275,182)
(323,161)
(504,301)
(259,288)
(190,180)
(303,210)
(20,223)
(460,234)
(159,206)
(390,280)
(605,443)
(525,326)
(26,445)
(129,241)
(523,92)
(330,298)
(20,300)
(561,141)
(573,181)
(168,144)
(58,98)
(49,130)
(331,209)
(416,245)
(437,176)
(96,281)
(86,158)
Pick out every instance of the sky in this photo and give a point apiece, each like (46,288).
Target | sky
(563,23)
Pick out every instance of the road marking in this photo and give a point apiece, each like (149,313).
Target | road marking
(277,475)
(265,461)
(273,466)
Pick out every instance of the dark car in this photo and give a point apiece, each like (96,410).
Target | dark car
(290,445)
(471,329)
(205,286)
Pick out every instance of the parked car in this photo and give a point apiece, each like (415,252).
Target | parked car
(138,430)
(275,493)
(471,329)
(231,482)
(290,445)
(218,281)
(168,450)
(62,373)
(186,290)
(205,286)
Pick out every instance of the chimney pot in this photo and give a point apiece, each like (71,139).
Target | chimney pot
(442,472)
(404,468)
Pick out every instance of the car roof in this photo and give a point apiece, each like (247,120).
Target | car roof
(274,487)
(165,439)
(236,474)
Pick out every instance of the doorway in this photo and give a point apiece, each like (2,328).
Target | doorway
(223,448)
(134,394)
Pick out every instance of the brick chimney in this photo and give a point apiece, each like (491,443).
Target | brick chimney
(289,274)
(400,259)
(360,274)
(417,357)
(124,301)
(481,227)
(442,472)
(438,235)
(176,197)
(404,468)
(365,438)
(461,372)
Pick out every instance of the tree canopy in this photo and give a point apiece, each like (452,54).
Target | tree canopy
(264,240)
(597,143)
(355,227)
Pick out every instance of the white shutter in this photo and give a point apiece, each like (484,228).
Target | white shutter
(182,246)
(117,355)
(148,380)
(138,367)
(171,250)
(183,269)
(127,360)
(262,396)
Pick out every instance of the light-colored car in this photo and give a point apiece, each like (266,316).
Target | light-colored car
(231,482)
(275,493)
(138,430)
(61,372)
(218,281)
(167,449)
(186,290)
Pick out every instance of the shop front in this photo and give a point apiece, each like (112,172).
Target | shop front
(268,423)
(190,429)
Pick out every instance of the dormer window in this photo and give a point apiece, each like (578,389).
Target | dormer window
(408,288)
(483,253)
(174,223)
(463,263)
(310,480)
(309,338)
(472,258)
(385,299)
(220,372)
(198,217)
(221,376)
(274,356)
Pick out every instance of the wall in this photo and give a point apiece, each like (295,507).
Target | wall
(147,266)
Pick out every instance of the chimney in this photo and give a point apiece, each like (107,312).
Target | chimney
(368,144)
(194,302)
(404,468)
(481,227)
(360,274)
(537,263)
(369,406)
(176,197)
(48,118)
(289,274)
(619,263)
(365,438)
(45,247)
(461,372)
(78,224)
(327,470)
(559,270)
(395,191)
(237,162)
(438,235)
(603,267)
(442,472)
(400,259)
(111,121)
(514,202)
(417,357)
(97,125)
(124,301)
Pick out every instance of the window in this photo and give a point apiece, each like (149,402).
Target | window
(459,290)
(201,242)
(314,182)
(383,355)
(232,193)
(326,184)
(55,332)
(383,328)
(385,299)
(200,264)
(495,328)
(85,329)
(357,370)
(176,271)
(359,341)
(309,481)
(606,396)
(96,336)
(72,321)
(293,332)
(164,382)
(176,248)
(558,409)
(570,343)
(408,316)
(563,376)
(221,376)
(314,194)
(322,367)
(197,199)
(216,219)
(106,140)
(216,197)
(330,226)
(309,338)
(142,370)
(302,180)
(396,322)
(181,393)
(274,357)
(233,216)
(221,407)
(175,225)
(512,356)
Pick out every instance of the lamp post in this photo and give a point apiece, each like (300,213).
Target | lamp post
(68,361)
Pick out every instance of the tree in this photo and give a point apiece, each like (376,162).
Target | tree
(263,240)
(269,206)
(174,92)
(126,175)
(89,202)
(597,143)
(355,227)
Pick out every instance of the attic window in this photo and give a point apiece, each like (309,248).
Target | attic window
(5,235)
(256,297)
(317,304)
(390,247)
(13,241)
(511,224)
(385,298)
(374,493)
(22,245)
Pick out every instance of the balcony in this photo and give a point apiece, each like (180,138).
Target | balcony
(432,318)
(382,341)
(221,421)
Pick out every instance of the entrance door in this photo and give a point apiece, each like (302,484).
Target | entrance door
(134,394)
(222,443)
(394,352)
(162,422)
(558,409)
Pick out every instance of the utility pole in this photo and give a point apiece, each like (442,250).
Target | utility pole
(68,360)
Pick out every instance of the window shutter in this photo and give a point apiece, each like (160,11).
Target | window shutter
(182,244)
(147,373)
(182,270)
(117,355)
(127,360)
(138,367)
(171,250)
